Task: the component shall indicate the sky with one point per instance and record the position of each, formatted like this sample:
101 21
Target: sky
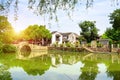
99 12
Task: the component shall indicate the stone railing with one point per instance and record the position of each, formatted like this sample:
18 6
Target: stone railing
114 48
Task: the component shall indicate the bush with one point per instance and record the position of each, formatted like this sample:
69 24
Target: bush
68 44
7 48
89 45
55 44
77 44
99 45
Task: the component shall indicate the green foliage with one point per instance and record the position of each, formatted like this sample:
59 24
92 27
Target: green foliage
7 48
88 44
99 45
55 44
104 36
68 44
62 45
36 32
77 44
1 45
114 32
4 73
6 30
89 30
115 19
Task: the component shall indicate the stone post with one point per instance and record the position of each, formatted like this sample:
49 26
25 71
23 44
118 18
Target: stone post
111 47
118 45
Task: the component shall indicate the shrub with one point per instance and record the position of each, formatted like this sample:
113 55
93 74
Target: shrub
68 44
99 45
55 44
7 48
89 45
77 44
62 45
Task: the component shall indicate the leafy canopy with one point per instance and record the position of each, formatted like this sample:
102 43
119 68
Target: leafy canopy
36 32
6 30
114 32
88 30
115 19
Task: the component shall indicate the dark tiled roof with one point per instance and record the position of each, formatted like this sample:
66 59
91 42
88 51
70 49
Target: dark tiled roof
53 32
65 34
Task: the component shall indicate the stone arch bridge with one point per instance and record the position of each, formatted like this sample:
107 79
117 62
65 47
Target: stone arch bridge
36 50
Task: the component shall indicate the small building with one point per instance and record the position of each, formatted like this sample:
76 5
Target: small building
104 42
56 37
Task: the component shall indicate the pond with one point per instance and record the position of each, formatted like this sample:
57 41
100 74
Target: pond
58 65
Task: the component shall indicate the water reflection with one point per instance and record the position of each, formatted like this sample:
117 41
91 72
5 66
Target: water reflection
63 72
89 71
63 67
4 73
102 75
56 60
30 54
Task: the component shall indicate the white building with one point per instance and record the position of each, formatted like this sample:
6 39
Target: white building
64 37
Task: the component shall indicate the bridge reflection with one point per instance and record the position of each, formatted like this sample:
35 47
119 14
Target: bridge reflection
32 54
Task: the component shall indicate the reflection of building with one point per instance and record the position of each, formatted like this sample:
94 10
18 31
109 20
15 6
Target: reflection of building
64 37
56 60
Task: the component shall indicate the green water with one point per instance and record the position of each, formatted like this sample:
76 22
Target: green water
58 65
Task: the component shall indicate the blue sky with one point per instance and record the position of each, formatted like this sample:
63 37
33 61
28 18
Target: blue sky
99 12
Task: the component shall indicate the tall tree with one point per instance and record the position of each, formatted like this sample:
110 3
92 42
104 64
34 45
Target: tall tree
88 30
36 32
113 33
6 30
115 19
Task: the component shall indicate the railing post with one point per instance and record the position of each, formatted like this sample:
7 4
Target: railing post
111 47
118 46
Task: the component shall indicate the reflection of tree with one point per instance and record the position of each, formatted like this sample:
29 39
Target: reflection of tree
37 65
114 74
114 71
4 73
89 71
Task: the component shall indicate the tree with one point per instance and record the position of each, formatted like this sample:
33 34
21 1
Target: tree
6 30
113 33
88 30
104 36
115 19
38 33
41 7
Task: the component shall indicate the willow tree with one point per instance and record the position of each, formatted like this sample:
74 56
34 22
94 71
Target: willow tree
42 7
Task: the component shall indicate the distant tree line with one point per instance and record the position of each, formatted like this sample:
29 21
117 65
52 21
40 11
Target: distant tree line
89 31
